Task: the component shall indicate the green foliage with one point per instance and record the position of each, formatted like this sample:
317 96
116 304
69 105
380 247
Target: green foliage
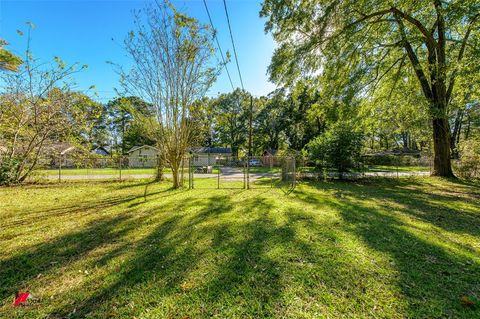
366 45
269 122
338 148
8 170
202 121
87 118
8 60
231 113
126 119
304 118
468 166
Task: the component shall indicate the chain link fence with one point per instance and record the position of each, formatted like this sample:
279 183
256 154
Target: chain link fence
369 166
217 172
241 172
64 168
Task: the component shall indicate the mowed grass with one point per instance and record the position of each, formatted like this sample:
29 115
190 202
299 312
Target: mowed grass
376 249
107 171
387 168
99 171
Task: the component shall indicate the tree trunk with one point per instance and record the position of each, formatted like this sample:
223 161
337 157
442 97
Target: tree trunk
176 180
182 169
159 176
405 140
441 146
456 134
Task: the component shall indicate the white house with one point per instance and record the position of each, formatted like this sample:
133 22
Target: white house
209 156
143 156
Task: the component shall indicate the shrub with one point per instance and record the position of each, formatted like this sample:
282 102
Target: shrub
8 171
380 159
468 166
338 148
396 160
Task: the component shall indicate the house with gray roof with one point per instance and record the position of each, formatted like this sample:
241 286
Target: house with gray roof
143 156
209 156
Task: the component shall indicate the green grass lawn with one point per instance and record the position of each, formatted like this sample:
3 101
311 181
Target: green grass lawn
407 248
386 168
108 171
99 171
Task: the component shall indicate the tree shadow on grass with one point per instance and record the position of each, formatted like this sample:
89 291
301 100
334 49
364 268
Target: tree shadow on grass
433 273
245 258
161 260
16 271
252 257
90 206
448 209
215 262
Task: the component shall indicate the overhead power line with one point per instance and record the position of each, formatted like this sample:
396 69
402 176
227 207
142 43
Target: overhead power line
233 43
218 45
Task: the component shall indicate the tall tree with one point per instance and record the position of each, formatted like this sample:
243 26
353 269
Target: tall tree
88 120
270 121
202 119
172 67
125 121
396 119
231 119
378 37
303 116
35 111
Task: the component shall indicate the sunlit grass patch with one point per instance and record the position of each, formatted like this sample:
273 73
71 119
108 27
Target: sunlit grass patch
380 248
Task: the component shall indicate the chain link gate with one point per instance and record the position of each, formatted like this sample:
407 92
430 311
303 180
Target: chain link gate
208 172
271 172
228 172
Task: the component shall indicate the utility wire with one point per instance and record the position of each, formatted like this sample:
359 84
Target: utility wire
233 43
218 45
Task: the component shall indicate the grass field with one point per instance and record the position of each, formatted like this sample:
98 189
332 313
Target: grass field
407 248
107 171
386 168
99 171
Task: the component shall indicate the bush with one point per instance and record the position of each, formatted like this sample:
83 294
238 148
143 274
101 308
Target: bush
395 160
8 171
380 159
338 148
468 166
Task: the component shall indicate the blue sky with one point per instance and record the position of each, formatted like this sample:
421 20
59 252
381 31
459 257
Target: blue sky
82 31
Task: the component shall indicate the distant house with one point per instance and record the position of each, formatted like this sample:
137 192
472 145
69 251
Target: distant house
270 152
143 156
209 156
56 154
101 150
56 149
269 158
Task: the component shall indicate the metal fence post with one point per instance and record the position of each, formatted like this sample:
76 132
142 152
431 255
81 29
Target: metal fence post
60 169
398 160
193 173
248 172
120 167
271 171
244 176
294 172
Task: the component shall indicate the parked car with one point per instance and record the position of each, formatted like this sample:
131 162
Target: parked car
254 162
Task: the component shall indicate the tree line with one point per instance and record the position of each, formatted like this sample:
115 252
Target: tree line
353 77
